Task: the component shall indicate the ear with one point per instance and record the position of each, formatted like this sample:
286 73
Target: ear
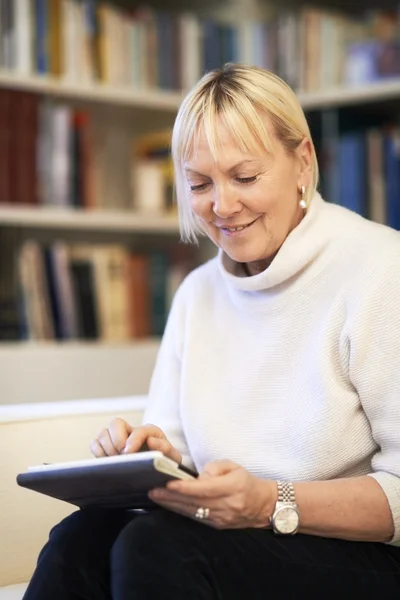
305 156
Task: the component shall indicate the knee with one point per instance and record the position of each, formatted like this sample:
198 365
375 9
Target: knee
157 556
73 537
146 540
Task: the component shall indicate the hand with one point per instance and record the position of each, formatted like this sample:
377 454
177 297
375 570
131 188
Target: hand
121 438
235 498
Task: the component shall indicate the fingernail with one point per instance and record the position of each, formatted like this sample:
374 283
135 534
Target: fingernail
127 449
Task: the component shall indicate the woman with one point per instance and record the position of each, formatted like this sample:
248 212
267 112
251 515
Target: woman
277 378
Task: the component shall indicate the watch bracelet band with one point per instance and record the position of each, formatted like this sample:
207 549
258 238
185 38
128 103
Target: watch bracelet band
286 492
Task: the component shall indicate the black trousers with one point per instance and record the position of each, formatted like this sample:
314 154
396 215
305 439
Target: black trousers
104 555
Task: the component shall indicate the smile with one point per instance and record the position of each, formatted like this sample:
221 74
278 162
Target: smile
236 230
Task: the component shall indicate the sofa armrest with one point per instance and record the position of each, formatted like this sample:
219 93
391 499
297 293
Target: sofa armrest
35 433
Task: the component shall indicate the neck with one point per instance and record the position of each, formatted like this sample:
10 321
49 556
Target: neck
258 266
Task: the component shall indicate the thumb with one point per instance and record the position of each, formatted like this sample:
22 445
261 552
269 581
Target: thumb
218 468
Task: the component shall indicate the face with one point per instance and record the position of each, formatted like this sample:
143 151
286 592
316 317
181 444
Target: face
247 202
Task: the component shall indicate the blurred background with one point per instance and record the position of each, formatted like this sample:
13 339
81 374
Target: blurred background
90 255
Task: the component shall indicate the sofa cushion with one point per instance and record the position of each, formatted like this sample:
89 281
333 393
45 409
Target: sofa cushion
13 592
36 433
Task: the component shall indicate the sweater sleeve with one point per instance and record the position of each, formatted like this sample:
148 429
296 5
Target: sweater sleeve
374 346
163 408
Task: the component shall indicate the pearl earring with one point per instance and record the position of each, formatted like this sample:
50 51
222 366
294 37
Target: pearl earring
303 203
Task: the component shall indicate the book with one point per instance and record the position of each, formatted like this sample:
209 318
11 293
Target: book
35 292
392 176
10 307
121 481
83 283
352 165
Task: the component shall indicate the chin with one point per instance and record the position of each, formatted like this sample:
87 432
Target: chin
242 255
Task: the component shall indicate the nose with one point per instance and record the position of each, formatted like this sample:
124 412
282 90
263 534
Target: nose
225 202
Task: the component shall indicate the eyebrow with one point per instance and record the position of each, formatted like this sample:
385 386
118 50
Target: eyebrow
188 169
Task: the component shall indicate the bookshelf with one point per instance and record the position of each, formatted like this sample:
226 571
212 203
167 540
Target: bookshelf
114 221
343 96
119 105
165 101
98 93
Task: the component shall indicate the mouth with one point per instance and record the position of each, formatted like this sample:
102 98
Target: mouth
239 229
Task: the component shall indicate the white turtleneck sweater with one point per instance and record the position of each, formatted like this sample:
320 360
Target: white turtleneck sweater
293 373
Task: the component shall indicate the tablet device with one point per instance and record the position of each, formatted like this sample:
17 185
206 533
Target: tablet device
121 481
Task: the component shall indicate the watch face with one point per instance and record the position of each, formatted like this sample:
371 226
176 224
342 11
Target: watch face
286 519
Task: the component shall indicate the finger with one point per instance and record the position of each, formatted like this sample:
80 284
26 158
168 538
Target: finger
139 436
167 496
163 445
105 441
186 510
177 504
206 487
96 449
193 495
218 468
119 432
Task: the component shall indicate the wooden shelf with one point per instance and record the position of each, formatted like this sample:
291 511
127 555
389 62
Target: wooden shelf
92 92
169 101
346 96
89 220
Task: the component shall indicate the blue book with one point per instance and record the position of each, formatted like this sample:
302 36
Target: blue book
41 28
352 170
259 45
229 44
158 276
164 50
392 178
211 46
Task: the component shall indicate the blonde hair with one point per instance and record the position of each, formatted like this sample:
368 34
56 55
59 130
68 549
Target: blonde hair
241 95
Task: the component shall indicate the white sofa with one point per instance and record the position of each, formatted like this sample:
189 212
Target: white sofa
32 434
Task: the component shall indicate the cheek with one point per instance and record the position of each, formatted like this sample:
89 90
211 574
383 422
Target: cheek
201 204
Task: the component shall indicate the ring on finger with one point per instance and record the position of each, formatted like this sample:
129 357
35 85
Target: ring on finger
202 513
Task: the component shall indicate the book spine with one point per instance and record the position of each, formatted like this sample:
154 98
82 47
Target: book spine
158 272
42 55
392 176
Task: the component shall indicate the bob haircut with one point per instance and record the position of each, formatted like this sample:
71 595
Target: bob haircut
240 95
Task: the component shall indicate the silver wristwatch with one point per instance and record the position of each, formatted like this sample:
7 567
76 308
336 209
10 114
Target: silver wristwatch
286 517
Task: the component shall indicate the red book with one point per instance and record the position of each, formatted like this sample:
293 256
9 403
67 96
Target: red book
138 289
5 140
23 182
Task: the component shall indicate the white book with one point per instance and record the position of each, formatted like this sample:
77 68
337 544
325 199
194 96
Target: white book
78 47
68 40
82 50
192 67
134 76
60 172
7 39
148 184
23 36
44 150
245 42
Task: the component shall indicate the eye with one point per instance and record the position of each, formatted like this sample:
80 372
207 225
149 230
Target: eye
199 188
246 180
